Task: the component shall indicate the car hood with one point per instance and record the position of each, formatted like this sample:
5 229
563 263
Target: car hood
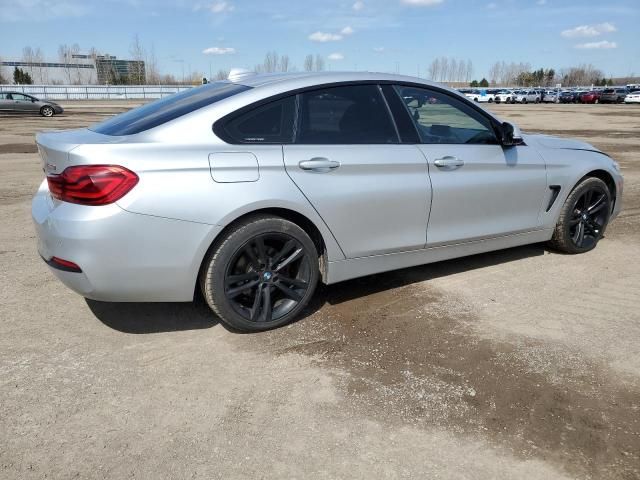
547 141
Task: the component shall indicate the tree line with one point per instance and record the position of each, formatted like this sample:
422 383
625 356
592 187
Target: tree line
441 69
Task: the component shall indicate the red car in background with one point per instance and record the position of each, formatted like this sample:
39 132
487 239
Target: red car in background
590 97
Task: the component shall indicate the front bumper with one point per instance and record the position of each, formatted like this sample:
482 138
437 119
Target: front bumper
124 256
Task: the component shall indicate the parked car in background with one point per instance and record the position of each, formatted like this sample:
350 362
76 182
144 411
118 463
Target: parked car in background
256 189
590 97
480 95
568 96
633 97
17 102
527 96
613 95
505 96
551 96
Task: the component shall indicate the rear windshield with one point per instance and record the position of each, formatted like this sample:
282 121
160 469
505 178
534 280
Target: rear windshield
161 111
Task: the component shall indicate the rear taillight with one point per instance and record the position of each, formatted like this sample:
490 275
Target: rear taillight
92 184
62 264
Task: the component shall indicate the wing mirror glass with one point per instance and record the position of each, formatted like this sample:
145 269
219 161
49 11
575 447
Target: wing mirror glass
510 135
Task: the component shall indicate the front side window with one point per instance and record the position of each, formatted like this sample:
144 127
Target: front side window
270 123
354 114
166 109
440 118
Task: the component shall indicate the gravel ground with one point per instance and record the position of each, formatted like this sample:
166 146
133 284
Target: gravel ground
515 364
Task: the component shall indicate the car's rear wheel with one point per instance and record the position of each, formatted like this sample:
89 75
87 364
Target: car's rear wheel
524 100
47 111
261 274
583 218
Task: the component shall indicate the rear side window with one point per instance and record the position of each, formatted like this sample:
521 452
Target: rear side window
355 114
270 123
166 109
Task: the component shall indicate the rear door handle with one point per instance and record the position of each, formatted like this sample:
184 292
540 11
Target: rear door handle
448 161
318 164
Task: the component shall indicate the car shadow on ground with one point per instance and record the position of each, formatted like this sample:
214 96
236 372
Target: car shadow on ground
140 318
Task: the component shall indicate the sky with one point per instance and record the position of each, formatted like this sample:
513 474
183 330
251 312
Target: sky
377 35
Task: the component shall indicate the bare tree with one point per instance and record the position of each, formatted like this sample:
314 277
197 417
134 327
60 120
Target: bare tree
469 71
27 57
42 73
434 69
137 52
270 63
3 79
64 55
151 67
222 74
582 75
308 63
285 64
319 63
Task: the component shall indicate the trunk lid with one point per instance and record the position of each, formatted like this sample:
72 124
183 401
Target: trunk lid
54 146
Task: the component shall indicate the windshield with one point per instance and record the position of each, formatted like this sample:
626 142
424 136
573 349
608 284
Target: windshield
161 111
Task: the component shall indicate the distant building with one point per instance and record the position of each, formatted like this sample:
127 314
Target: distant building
81 70
77 73
111 70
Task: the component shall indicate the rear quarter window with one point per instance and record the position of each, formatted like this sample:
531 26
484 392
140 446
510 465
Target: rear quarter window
166 109
268 123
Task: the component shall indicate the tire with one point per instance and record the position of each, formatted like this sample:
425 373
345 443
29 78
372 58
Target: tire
524 100
490 100
497 101
575 233
257 253
47 111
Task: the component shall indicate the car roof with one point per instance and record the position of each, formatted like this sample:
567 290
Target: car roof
305 79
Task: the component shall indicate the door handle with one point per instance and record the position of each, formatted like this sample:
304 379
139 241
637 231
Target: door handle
449 162
319 164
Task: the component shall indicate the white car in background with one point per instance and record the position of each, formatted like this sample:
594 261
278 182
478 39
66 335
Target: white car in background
480 96
505 96
633 97
527 96
551 96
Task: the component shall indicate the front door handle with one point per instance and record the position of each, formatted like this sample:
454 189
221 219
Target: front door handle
319 164
448 162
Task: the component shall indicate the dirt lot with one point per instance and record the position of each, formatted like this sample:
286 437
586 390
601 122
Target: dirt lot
516 364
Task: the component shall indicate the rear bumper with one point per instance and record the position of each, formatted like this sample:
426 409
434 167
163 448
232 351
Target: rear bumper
124 257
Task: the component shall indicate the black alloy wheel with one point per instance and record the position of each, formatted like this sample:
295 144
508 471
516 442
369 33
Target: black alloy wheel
261 273
268 277
583 217
589 217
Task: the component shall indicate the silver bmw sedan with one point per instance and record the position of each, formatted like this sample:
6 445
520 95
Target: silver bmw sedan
255 189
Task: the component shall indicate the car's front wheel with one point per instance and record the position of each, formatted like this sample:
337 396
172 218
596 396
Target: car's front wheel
47 111
261 274
583 218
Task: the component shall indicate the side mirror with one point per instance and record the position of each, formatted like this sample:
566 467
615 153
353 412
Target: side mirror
510 135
